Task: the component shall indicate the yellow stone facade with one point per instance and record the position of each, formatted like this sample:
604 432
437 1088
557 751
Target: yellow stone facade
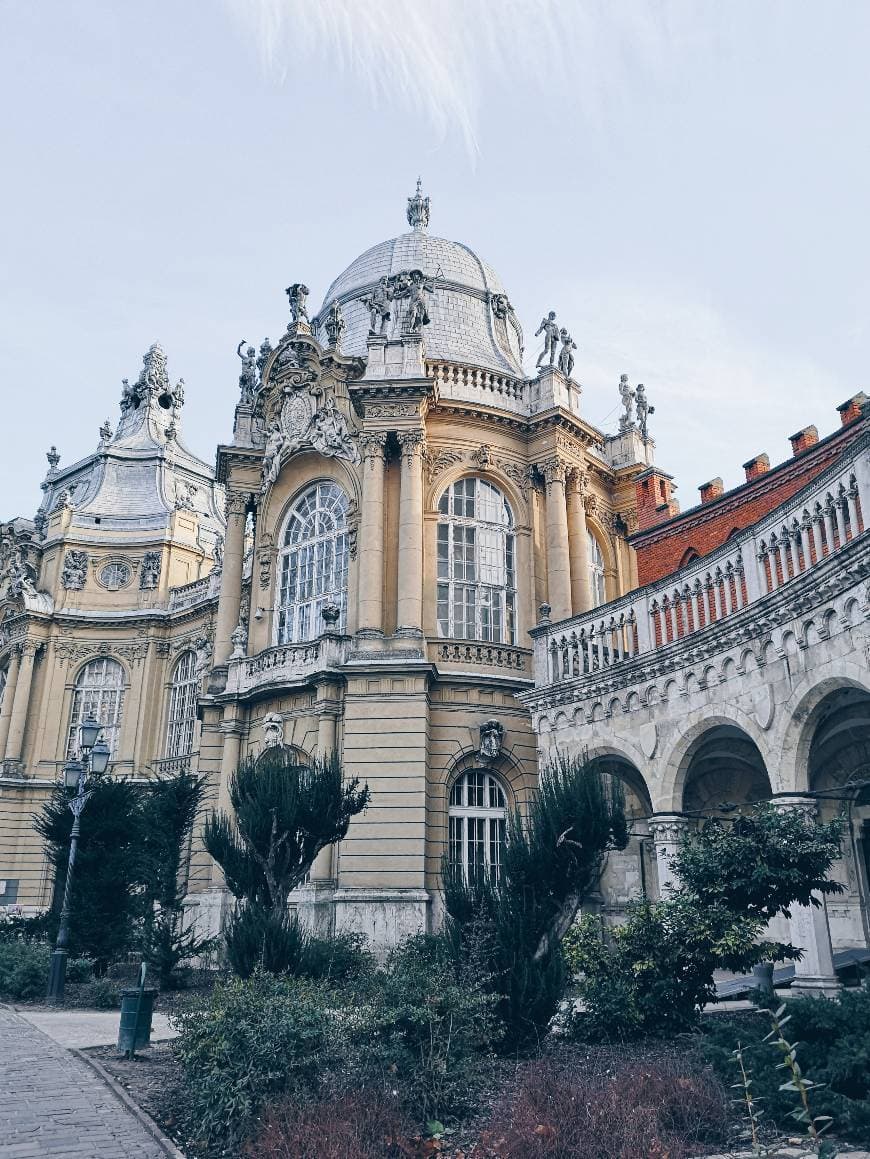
409 664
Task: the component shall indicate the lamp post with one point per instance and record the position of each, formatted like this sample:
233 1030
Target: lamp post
93 759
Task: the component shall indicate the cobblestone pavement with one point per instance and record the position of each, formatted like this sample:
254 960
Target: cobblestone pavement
52 1104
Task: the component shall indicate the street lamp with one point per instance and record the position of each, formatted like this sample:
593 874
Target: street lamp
93 759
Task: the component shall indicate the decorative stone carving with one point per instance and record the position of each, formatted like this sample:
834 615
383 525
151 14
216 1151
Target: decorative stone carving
64 501
53 458
75 570
263 357
378 303
334 325
412 443
329 433
418 208
553 470
418 306
644 410
149 576
203 650
264 561
491 739
550 329
544 611
440 462
239 641
236 503
517 473
218 552
185 493
105 431
483 456
273 730
372 444
248 378
331 614
566 358
500 305
626 419
392 410
297 295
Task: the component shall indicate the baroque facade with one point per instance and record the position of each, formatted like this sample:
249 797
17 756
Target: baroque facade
410 552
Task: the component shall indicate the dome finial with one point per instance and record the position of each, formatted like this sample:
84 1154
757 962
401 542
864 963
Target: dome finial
418 208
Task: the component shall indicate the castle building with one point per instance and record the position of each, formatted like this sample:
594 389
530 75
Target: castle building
412 553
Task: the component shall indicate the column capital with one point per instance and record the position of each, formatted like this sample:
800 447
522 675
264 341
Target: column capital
667 827
576 481
412 442
797 802
372 444
554 470
237 502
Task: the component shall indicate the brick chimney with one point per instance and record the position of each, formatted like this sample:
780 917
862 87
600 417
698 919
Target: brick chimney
803 440
655 502
712 490
760 465
851 408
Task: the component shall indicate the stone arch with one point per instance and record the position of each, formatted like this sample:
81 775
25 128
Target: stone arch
301 471
516 500
602 537
623 761
801 716
692 757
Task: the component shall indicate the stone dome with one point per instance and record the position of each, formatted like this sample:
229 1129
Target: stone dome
471 319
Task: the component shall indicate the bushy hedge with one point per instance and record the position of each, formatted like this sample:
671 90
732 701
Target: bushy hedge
24 967
833 1048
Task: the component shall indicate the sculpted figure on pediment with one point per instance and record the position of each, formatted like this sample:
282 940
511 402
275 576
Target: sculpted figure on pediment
329 433
75 570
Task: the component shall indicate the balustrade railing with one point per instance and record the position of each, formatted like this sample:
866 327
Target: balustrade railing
473 383
286 662
189 594
815 524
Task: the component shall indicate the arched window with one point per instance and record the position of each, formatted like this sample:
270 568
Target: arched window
182 707
99 692
596 572
477 823
313 563
476 564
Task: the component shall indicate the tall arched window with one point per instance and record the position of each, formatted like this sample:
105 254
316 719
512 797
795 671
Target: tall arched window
596 572
477 823
182 707
313 563
476 564
99 692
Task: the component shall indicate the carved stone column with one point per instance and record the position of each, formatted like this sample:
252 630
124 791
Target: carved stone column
8 697
558 555
231 580
667 831
20 702
814 974
578 542
409 610
371 546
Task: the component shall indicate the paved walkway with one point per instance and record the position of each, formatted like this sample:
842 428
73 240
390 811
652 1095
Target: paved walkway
83 1028
52 1104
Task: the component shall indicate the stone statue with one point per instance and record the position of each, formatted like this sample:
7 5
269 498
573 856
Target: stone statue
549 328
626 419
149 577
334 325
275 440
239 641
491 738
202 648
500 305
184 495
64 501
273 730
75 570
566 358
248 377
418 314
298 296
218 552
178 396
644 410
263 356
329 433
378 303
129 396
105 431
53 458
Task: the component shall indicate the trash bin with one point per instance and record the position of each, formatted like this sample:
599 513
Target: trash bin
130 1035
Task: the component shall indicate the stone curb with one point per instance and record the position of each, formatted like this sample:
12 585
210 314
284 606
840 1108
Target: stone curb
133 1107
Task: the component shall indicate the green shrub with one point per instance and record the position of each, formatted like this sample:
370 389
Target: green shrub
426 1033
342 958
19 927
833 1048
98 994
655 973
247 1042
79 969
259 939
24 970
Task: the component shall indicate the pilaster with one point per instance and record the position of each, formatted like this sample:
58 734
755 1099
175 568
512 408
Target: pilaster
409 608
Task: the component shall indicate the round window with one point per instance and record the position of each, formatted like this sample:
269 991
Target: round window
114 576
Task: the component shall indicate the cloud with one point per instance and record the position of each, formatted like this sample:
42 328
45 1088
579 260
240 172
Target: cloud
443 57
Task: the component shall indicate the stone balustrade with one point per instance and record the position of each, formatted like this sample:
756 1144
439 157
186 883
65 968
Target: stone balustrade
173 766
473 384
190 594
286 664
802 534
461 652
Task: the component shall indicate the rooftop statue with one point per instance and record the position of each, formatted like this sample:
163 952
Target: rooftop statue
298 296
644 410
334 325
626 419
566 358
248 377
418 313
263 356
550 329
378 303
275 440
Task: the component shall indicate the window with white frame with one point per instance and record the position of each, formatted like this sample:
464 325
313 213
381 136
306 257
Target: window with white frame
313 563
477 819
182 707
596 572
99 693
476 564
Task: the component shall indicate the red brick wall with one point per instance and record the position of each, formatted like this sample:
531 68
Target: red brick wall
661 549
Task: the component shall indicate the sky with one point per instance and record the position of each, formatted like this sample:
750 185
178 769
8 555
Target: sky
686 183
